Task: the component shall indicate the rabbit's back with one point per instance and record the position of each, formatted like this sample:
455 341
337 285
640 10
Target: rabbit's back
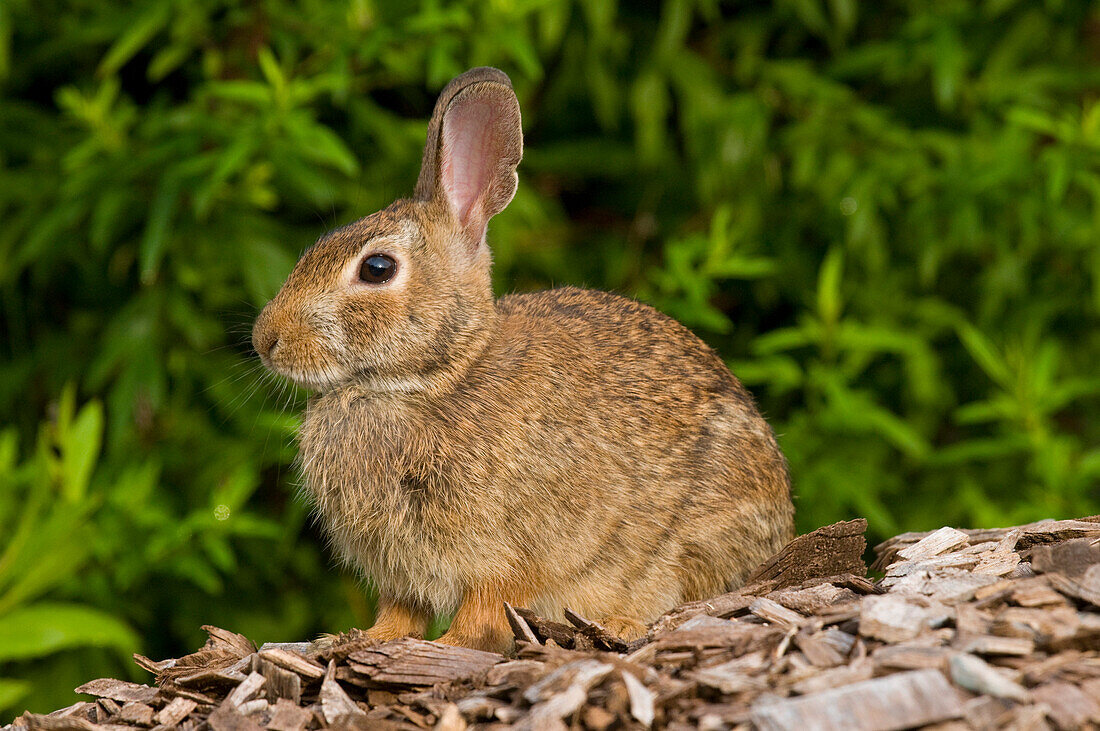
648 390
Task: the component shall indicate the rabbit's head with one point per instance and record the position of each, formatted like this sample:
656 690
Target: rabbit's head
403 294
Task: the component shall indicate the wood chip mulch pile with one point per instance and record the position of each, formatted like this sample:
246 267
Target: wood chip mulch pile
967 629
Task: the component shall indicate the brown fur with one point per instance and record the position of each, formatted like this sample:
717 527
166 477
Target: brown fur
567 448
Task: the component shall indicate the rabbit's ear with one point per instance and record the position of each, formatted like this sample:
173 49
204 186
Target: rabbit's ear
474 145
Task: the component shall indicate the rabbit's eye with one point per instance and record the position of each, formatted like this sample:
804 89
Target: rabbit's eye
377 268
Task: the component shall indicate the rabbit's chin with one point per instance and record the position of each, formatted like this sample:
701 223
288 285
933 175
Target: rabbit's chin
320 382
335 379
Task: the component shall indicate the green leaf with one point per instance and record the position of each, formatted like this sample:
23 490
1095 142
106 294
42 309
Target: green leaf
5 55
79 450
980 450
44 628
270 68
107 218
9 453
785 339
140 32
167 60
250 93
157 227
12 691
264 265
650 104
54 549
319 144
828 286
985 354
230 162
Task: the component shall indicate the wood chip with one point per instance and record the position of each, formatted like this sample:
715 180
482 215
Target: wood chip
288 716
1069 558
293 662
230 641
1075 589
993 645
999 563
336 706
902 700
54 723
597 719
248 689
410 662
837 677
253 707
80 709
176 710
516 673
975 674
451 719
929 565
910 657
819 650
227 718
1024 536
735 637
738 675
207 678
722 606
641 699
138 713
894 618
833 549
946 585
561 634
601 637
520 628
1036 593
298 648
1069 707
775 613
118 690
106 709
152 666
280 683
934 544
563 691
813 599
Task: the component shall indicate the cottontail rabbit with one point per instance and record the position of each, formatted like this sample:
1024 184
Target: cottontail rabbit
566 448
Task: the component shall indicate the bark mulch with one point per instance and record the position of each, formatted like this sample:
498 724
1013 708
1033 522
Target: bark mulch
966 629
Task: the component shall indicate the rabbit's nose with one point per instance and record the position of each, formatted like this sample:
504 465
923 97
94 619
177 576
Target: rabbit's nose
265 333
266 345
264 338
269 347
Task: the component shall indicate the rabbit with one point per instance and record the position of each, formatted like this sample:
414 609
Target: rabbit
560 449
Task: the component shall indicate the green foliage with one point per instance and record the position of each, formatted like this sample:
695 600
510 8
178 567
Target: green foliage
885 216
45 508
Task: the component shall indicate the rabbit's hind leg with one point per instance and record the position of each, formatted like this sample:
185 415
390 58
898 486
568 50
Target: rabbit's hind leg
627 629
395 620
480 622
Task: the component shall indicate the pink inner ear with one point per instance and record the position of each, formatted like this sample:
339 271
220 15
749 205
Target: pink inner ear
467 159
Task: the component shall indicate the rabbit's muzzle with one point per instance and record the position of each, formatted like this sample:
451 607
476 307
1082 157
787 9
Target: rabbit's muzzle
265 337
303 346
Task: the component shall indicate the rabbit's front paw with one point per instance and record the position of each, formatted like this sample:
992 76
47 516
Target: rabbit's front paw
480 622
490 641
397 620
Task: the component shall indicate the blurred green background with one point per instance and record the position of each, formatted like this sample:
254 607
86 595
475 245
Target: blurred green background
885 216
